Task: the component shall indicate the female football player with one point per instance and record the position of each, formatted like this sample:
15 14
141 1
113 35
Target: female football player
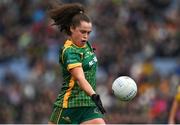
77 102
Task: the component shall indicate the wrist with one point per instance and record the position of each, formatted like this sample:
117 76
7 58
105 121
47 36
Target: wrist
93 94
95 97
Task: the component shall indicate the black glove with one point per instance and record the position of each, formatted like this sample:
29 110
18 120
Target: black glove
97 101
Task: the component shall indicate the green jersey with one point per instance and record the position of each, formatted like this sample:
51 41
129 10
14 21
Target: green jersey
71 56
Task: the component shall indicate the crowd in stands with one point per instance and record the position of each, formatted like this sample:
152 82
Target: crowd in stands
138 38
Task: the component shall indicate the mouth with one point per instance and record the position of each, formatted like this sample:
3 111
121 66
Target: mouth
83 41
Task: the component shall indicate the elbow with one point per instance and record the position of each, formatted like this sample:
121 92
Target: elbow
79 77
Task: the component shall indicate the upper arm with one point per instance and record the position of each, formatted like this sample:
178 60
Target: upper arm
77 73
71 59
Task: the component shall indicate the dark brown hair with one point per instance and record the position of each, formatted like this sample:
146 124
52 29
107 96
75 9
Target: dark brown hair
67 15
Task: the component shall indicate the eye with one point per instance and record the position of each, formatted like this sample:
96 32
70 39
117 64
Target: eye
84 32
88 32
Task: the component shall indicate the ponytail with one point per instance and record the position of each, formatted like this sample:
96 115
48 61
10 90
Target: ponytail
67 15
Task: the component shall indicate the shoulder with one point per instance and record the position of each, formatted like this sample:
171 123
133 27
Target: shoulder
68 47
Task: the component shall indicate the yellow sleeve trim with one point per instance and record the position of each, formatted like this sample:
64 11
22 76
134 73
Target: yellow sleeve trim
71 66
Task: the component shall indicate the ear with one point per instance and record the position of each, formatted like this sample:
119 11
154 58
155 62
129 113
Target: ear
71 29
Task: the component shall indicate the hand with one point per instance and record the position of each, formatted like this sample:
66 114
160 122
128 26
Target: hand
97 101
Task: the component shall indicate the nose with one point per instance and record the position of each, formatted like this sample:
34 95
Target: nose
85 36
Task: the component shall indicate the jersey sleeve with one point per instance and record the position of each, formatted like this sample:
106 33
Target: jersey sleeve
71 58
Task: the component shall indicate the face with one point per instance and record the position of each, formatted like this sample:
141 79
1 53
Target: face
80 34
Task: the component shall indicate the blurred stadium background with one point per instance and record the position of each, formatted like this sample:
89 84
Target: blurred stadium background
139 38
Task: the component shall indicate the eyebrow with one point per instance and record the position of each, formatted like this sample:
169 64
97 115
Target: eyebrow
86 31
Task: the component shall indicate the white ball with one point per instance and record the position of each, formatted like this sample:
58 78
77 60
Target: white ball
124 88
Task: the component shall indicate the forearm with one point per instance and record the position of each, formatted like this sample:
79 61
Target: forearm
173 112
171 117
85 86
78 74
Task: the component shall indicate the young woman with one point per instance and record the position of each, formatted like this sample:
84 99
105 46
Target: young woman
77 102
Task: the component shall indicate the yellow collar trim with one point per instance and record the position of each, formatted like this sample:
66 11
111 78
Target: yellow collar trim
69 43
